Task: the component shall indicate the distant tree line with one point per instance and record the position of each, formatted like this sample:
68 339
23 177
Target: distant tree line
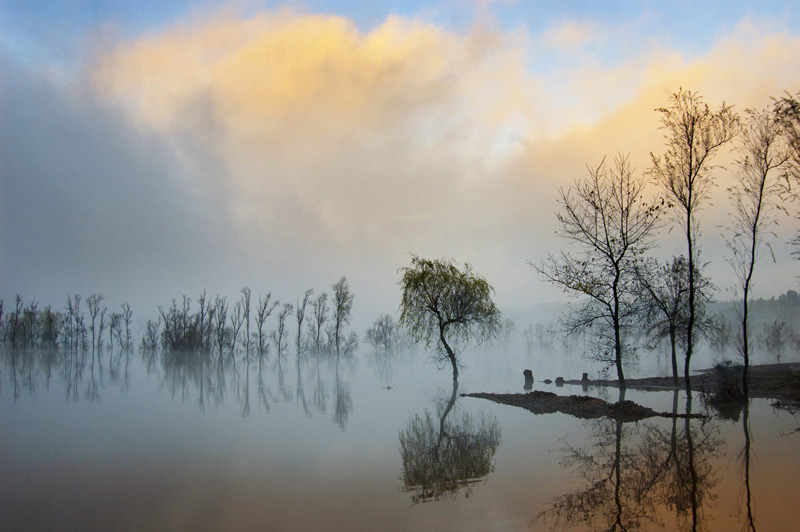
207 324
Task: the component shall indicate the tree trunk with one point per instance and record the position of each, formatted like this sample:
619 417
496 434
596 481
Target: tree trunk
450 354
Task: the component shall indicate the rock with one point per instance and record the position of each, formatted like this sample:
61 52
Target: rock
547 381
559 381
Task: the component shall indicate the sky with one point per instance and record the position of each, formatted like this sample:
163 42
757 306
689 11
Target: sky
151 149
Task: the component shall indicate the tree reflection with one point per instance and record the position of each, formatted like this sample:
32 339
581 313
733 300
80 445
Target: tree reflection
750 523
632 473
442 456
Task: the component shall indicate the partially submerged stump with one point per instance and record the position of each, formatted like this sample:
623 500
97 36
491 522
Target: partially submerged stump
579 406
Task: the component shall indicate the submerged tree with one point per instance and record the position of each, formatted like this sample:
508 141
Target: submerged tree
300 314
342 301
443 303
694 134
315 325
605 215
756 197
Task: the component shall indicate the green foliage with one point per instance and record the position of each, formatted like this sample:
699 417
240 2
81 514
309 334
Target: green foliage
442 302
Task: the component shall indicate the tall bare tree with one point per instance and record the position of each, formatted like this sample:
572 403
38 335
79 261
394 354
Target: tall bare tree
342 301
787 111
320 308
763 157
300 313
694 134
604 214
263 310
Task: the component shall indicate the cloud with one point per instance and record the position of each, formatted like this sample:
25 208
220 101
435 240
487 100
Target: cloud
309 148
570 36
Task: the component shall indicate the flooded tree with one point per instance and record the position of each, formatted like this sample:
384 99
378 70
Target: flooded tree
694 135
221 331
756 195
342 308
442 303
263 310
320 317
383 334
127 320
279 334
301 314
606 216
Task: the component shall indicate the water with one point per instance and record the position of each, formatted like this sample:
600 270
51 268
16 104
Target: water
141 441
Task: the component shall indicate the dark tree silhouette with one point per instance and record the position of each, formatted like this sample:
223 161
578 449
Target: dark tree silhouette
694 134
315 326
665 307
763 156
300 313
605 215
342 308
263 310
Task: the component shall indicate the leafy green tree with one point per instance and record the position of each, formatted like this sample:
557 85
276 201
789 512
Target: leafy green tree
442 303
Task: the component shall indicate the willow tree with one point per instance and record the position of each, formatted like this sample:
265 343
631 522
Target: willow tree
605 216
694 134
443 303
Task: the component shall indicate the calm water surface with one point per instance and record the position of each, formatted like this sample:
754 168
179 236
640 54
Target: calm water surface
143 441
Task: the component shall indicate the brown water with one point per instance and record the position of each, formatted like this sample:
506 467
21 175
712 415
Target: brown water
137 441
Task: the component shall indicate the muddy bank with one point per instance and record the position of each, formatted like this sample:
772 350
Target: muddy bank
768 381
579 406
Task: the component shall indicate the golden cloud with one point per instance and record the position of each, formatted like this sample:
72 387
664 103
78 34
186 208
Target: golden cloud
411 136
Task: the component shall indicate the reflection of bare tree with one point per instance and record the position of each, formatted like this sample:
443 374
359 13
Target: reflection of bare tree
442 456
343 401
632 474
750 523
320 394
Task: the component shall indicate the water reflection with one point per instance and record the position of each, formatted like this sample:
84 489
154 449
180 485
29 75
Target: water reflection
204 377
448 451
633 472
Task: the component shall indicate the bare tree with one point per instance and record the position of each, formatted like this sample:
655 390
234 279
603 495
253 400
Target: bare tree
787 111
13 321
263 310
604 214
237 319
694 134
300 314
279 334
320 307
763 156
115 328
665 307
127 318
342 307
220 328
246 319
93 302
